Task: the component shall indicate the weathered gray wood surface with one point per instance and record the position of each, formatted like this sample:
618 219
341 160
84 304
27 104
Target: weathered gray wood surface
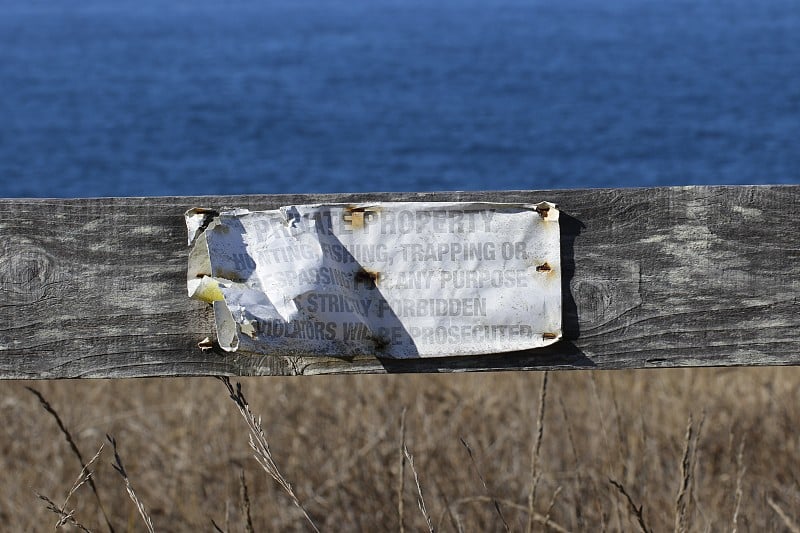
666 277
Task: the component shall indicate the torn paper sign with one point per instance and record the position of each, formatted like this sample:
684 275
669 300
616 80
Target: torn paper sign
391 279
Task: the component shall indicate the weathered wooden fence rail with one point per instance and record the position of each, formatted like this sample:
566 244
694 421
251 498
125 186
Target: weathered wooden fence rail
663 277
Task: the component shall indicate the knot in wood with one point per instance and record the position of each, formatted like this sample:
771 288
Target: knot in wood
28 274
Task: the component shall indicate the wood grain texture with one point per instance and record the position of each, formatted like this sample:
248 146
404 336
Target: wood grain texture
664 277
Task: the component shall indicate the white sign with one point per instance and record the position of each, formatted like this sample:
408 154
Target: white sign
391 279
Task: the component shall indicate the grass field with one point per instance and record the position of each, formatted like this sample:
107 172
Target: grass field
473 439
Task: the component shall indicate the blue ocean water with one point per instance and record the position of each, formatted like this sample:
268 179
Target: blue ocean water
106 97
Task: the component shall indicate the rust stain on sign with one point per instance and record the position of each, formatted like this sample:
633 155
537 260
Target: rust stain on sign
392 279
368 277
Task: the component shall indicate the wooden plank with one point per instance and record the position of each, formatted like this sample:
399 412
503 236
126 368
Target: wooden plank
659 277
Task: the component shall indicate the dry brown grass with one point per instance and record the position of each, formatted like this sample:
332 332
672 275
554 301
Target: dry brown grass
336 440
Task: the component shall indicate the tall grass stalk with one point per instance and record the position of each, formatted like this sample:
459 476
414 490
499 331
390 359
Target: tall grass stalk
420 500
740 470
536 448
260 446
120 468
687 475
75 450
485 486
637 512
402 477
244 499
790 524
68 517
